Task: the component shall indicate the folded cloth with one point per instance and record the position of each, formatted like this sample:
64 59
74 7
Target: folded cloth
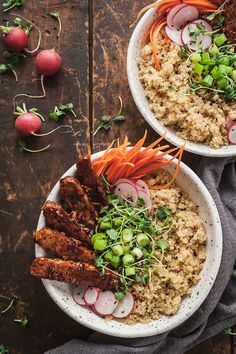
219 309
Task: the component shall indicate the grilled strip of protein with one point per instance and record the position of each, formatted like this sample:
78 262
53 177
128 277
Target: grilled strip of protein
230 23
91 183
77 200
57 218
62 246
73 273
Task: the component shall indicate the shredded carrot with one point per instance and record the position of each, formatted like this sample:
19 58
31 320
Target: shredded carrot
135 162
157 26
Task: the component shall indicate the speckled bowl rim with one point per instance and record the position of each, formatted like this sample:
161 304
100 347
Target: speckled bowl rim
142 102
61 292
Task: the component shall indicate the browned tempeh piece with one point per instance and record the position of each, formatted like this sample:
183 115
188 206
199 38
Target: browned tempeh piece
77 200
230 23
63 246
73 273
91 182
56 217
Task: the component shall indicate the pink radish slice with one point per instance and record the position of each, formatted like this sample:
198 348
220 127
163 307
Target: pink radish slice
229 120
204 23
203 41
175 35
91 296
105 304
172 13
184 15
231 134
124 307
125 180
141 185
146 198
78 294
126 191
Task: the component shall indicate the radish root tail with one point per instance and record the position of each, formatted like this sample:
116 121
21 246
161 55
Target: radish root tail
52 131
36 27
30 96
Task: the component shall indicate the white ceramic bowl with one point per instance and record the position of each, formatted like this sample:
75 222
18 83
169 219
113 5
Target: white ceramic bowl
142 103
61 292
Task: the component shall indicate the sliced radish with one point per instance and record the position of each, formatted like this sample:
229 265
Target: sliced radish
141 185
146 198
204 23
229 120
172 13
126 191
125 180
105 304
91 296
78 294
231 133
203 41
184 15
124 307
175 35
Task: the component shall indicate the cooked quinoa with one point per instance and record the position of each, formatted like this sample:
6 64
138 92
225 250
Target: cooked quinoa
199 117
182 262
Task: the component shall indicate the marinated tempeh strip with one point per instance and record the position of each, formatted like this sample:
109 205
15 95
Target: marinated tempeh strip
63 246
56 217
77 200
73 273
91 183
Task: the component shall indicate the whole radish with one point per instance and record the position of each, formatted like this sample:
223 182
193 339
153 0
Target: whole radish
48 63
27 124
16 40
16 37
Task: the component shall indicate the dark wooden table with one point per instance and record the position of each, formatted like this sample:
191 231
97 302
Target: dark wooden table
93 47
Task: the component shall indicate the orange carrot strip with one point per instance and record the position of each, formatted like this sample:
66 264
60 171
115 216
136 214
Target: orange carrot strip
179 153
151 6
153 38
200 3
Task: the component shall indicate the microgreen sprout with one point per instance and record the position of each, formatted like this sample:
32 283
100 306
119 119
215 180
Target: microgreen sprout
106 119
22 147
57 16
126 237
10 4
60 112
12 301
228 332
23 321
8 67
4 350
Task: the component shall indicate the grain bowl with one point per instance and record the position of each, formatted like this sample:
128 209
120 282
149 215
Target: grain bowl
194 213
163 97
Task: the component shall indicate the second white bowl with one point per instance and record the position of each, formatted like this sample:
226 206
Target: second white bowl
142 103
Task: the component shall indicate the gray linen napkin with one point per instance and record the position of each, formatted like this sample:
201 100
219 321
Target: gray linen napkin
219 309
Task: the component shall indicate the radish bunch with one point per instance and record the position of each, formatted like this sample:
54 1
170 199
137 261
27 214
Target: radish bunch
128 189
183 19
103 303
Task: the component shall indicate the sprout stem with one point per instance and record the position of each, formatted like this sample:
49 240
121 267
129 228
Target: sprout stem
15 74
34 151
60 26
37 28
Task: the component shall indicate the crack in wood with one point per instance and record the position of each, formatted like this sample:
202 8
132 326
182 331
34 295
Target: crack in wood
91 69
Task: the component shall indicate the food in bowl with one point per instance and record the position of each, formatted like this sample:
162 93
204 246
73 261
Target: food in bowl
125 235
188 70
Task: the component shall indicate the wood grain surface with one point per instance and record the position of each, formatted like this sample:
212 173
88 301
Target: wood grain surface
93 47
